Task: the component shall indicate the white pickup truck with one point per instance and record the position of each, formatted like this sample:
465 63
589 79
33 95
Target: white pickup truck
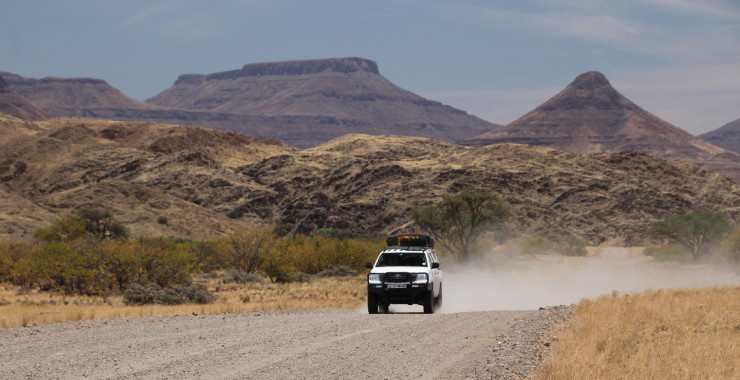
406 272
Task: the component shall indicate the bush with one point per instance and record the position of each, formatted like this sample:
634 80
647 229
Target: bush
669 253
138 294
302 277
572 247
163 220
340 271
240 276
195 293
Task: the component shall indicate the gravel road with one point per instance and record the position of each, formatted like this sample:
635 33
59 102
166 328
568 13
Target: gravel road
288 344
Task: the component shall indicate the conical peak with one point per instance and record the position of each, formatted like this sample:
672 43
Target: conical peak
589 90
590 81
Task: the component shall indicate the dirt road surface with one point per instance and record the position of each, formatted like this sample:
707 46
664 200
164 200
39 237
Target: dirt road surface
288 344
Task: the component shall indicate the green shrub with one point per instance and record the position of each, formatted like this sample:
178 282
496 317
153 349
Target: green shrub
669 253
163 220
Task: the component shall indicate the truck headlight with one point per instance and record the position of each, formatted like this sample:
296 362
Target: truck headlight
421 278
373 278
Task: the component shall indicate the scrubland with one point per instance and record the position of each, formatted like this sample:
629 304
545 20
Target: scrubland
656 334
21 308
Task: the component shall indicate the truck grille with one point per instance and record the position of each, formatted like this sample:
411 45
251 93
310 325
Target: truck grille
397 277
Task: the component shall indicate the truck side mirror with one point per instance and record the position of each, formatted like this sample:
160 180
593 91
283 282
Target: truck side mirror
369 265
435 265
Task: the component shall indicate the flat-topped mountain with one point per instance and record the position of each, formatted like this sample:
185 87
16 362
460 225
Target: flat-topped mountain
209 183
590 116
70 96
727 136
14 105
303 103
329 97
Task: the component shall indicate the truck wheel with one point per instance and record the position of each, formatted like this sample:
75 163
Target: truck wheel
429 303
372 303
383 309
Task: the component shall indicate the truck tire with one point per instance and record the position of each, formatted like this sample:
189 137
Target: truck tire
429 302
372 303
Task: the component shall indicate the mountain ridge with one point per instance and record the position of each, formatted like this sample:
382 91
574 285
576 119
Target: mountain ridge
210 183
303 102
590 116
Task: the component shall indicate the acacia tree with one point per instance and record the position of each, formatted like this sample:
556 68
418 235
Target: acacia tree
695 231
459 220
102 225
244 249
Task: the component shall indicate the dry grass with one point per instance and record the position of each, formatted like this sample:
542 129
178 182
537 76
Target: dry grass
663 334
18 309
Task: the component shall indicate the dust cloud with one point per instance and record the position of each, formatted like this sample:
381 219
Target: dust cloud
522 284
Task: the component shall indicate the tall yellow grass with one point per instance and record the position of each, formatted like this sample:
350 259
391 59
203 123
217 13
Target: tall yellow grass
661 334
35 308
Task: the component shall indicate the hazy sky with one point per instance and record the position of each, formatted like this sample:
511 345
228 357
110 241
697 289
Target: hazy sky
679 59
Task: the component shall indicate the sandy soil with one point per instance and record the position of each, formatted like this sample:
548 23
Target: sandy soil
288 344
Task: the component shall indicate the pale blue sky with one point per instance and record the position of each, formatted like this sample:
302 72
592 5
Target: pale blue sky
679 59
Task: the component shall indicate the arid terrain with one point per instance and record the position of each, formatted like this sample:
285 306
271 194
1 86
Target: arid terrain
289 344
495 324
226 181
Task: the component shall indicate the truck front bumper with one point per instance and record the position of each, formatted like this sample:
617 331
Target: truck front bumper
410 294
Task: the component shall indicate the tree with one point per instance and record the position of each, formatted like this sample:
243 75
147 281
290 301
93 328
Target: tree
244 249
102 225
458 221
695 231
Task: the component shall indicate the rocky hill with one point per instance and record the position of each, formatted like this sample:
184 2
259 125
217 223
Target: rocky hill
303 103
209 183
590 116
727 136
14 105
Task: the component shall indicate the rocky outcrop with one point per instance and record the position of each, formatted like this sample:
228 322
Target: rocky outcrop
304 67
590 116
202 179
727 136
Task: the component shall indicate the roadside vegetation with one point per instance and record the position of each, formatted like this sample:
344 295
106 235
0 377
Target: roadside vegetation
695 232
87 265
21 306
88 259
657 334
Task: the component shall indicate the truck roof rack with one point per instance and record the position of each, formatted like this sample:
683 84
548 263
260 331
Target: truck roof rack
410 240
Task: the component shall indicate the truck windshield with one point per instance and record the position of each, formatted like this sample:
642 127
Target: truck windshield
402 259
